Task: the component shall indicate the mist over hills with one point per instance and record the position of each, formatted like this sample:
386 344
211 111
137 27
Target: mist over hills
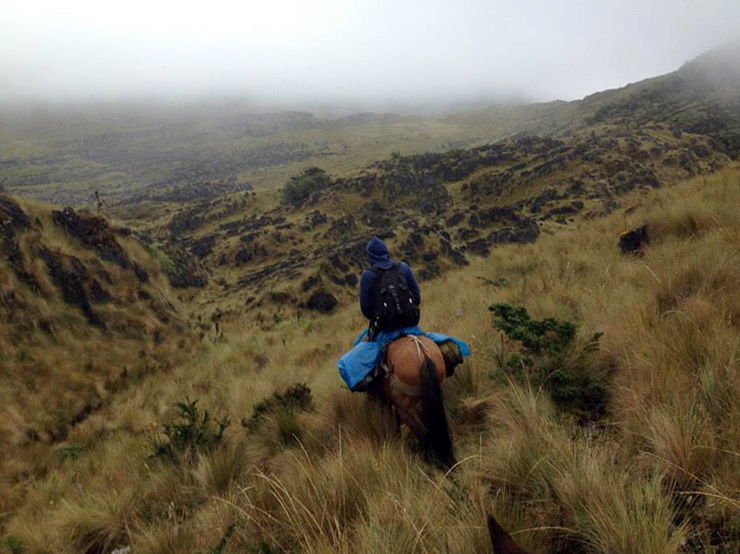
125 151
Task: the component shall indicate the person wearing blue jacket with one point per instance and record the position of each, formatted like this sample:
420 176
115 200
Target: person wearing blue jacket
379 258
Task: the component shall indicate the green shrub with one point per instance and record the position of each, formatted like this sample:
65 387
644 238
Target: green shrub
71 451
219 548
550 359
194 433
301 186
13 545
296 397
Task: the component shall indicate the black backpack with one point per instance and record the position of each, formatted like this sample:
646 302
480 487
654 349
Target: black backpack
393 305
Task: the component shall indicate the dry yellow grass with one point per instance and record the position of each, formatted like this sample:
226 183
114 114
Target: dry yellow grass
660 475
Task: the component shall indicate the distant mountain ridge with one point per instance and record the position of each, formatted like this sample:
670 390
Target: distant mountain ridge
702 97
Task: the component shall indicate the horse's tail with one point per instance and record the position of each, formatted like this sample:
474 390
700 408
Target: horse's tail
435 419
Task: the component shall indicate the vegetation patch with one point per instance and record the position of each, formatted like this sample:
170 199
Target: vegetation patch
193 433
550 359
296 397
303 185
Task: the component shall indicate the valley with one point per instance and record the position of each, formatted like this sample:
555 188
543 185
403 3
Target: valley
168 347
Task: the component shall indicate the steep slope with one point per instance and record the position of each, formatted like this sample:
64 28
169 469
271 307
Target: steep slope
84 312
439 210
320 474
436 211
702 97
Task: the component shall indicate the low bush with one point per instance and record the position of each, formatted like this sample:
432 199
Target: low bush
296 397
194 433
550 359
301 186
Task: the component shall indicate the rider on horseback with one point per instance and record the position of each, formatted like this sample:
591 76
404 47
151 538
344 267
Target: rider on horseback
389 293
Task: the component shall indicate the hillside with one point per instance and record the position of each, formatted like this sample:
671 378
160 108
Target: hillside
147 159
167 368
86 313
701 97
162 155
437 211
655 474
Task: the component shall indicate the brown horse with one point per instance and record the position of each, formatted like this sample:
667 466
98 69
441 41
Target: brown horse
502 541
413 372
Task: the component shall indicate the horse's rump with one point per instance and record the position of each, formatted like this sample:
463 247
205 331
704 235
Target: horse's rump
403 359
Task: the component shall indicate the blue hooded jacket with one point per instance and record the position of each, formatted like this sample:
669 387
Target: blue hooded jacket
379 258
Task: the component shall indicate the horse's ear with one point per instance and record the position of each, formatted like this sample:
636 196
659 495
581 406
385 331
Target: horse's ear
502 541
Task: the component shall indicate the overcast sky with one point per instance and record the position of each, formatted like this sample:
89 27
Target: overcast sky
360 51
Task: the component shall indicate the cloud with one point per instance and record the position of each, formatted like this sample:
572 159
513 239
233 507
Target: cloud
361 51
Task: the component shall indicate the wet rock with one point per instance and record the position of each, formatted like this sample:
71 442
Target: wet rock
143 295
572 208
187 220
313 220
479 247
537 204
632 242
342 228
14 220
280 297
243 256
454 254
429 271
97 293
183 271
11 249
12 217
71 282
454 219
249 237
310 283
94 233
321 301
203 246
526 232
466 234
141 274
430 256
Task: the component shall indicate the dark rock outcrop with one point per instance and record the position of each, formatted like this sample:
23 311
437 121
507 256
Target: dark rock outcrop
182 270
321 301
631 242
94 233
71 278
14 220
12 217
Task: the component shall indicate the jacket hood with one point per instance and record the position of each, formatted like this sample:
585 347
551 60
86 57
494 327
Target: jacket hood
378 255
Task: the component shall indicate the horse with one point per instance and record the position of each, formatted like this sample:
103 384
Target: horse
501 540
413 369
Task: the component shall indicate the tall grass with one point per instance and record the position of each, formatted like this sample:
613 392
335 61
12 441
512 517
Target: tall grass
658 474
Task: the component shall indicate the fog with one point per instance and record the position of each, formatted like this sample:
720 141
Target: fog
364 53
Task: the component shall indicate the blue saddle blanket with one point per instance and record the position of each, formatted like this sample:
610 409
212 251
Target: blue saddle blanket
358 362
